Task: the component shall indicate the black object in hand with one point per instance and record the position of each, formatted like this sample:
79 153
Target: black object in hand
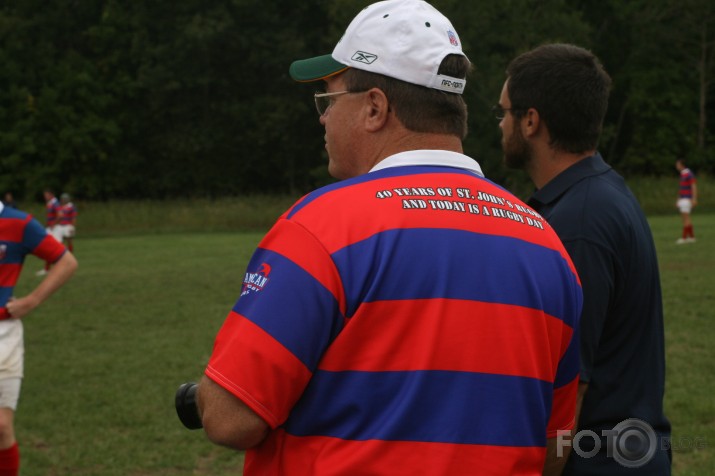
186 406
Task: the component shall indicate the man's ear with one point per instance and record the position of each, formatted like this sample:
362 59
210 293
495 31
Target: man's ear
377 108
531 122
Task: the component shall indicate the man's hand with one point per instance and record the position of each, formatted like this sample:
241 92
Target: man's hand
20 307
62 270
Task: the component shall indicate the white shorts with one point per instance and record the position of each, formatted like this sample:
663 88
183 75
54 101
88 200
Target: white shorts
66 231
55 232
685 205
12 349
10 392
12 354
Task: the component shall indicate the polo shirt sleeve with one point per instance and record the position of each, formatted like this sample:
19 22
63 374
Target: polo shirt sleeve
288 313
39 243
595 267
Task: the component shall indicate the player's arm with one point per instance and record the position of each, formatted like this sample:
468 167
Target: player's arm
694 200
58 275
226 419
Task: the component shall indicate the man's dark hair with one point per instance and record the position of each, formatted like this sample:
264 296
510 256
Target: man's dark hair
418 108
569 88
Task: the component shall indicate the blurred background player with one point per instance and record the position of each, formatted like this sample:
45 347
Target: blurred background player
20 235
9 200
687 199
52 213
67 220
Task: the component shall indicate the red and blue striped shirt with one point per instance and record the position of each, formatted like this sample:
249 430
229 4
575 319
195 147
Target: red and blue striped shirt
21 235
687 179
413 320
67 214
52 209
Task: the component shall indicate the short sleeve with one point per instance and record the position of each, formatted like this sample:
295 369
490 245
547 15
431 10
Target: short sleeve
287 314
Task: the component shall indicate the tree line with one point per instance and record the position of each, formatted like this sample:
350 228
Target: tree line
159 99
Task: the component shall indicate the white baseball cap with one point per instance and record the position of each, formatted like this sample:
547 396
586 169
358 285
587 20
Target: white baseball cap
402 39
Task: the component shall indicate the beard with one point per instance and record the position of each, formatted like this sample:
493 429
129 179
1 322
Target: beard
517 151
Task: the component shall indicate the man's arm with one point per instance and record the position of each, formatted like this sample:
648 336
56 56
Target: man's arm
554 464
58 275
226 419
582 387
694 199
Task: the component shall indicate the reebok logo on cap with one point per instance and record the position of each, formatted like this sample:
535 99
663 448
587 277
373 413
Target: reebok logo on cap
363 57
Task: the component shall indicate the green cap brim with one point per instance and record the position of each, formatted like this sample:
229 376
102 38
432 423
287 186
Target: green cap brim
313 69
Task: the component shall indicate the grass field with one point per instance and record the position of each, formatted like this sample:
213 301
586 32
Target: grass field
258 212
689 299
105 355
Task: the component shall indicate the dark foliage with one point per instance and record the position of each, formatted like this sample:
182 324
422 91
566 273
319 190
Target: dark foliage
156 99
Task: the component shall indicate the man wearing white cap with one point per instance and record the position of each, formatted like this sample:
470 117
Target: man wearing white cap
412 318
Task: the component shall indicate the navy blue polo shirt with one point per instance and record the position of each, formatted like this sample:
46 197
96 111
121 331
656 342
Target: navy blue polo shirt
609 240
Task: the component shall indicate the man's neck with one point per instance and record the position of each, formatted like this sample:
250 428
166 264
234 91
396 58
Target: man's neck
549 163
418 141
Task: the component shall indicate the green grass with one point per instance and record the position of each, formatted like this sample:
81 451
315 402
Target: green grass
689 300
251 213
105 355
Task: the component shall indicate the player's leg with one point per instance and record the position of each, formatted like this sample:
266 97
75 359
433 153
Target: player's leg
68 234
9 451
688 227
684 205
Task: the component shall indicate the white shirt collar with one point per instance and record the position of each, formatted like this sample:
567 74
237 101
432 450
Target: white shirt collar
430 157
2 207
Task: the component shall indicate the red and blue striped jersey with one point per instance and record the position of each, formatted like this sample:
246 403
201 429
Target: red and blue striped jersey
52 208
687 179
21 235
67 214
413 320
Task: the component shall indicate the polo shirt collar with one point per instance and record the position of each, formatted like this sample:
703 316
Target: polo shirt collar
588 167
442 158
